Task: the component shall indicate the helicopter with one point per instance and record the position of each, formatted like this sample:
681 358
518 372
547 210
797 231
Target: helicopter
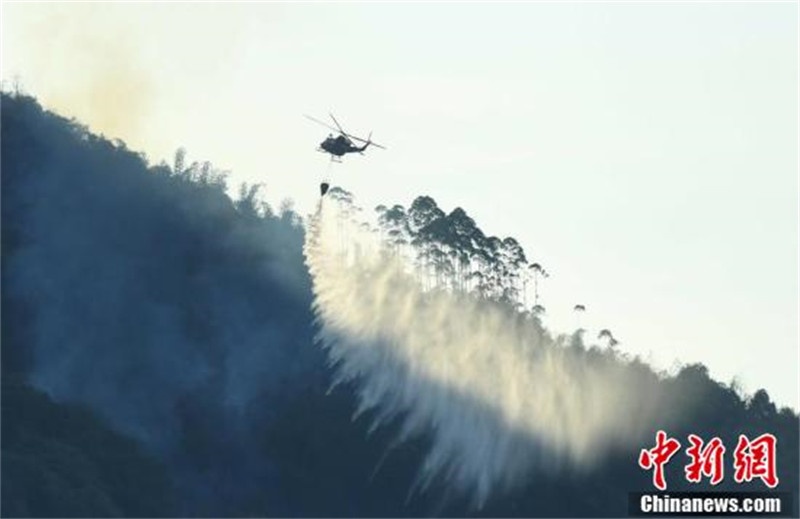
341 144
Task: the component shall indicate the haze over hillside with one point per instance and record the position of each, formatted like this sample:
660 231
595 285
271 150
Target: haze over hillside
645 153
159 359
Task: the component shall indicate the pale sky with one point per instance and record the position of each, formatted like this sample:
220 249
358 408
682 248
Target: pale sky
644 153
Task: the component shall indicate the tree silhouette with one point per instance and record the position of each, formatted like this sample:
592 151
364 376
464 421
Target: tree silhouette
579 309
537 272
422 213
606 334
394 225
512 257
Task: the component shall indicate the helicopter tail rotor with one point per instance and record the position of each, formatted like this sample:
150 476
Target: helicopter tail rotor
366 143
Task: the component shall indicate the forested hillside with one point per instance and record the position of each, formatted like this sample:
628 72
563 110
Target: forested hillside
158 353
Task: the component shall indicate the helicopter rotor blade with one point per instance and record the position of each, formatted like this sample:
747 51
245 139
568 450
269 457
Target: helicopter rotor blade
372 143
341 130
326 125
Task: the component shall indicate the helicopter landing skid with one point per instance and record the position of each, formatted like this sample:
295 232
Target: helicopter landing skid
334 158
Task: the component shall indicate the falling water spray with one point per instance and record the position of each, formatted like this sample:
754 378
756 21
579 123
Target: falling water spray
500 399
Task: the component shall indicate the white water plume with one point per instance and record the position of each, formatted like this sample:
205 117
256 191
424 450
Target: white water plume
498 397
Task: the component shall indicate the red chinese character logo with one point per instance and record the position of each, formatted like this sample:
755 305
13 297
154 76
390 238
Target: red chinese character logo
756 459
705 461
658 456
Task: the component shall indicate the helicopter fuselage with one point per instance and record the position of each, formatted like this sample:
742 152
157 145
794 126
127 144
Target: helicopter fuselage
338 146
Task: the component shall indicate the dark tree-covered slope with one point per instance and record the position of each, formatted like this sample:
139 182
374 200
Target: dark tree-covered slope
158 355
